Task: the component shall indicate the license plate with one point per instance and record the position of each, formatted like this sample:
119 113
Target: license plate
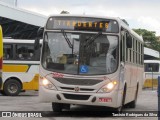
105 99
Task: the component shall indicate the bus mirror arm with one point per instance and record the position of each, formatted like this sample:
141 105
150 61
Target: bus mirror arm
36 44
37 40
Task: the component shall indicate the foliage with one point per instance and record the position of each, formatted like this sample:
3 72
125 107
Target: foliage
150 39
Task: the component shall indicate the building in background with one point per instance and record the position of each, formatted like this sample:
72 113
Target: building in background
10 2
19 23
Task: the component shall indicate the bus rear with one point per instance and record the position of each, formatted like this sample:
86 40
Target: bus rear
1 55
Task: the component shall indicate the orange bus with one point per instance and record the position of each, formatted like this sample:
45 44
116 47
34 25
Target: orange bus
1 55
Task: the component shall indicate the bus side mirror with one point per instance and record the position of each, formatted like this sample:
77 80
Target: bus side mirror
37 40
128 41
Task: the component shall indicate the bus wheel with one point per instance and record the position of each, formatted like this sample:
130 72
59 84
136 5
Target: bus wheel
12 87
119 109
133 103
57 107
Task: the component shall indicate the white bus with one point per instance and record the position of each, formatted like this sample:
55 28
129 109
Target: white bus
151 72
88 60
20 66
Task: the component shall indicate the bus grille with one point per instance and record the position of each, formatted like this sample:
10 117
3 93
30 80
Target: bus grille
85 82
76 97
81 89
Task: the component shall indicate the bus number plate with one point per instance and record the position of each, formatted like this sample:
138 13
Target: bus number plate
105 99
58 75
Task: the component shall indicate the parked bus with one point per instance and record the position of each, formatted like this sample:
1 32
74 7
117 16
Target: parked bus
20 66
1 55
152 71
88 60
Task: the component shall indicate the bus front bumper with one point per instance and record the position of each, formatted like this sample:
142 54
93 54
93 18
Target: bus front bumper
112 99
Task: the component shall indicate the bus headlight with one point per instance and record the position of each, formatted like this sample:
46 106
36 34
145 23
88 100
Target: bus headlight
47 84
108 87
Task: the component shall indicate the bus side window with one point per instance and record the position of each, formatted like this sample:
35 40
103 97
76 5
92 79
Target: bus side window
122 48
25 52
7 52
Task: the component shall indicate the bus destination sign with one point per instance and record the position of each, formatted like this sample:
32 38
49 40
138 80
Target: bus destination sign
85 24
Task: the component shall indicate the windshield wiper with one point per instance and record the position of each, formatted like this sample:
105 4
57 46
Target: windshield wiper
67 39
91 39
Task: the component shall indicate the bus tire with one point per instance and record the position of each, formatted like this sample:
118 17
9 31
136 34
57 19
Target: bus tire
133 103
12 87
119 109
57 107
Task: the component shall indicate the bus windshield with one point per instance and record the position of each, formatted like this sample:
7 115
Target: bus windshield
80 53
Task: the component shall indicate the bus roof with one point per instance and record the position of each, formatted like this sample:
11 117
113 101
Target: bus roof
121 23
140 38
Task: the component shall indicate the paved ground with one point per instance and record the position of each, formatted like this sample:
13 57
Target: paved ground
28 101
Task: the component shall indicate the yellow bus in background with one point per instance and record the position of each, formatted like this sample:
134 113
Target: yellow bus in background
151 73
1 55
20 66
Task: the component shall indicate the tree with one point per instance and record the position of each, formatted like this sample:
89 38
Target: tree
150 39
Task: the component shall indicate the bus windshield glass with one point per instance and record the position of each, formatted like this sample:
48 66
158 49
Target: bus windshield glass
80 53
